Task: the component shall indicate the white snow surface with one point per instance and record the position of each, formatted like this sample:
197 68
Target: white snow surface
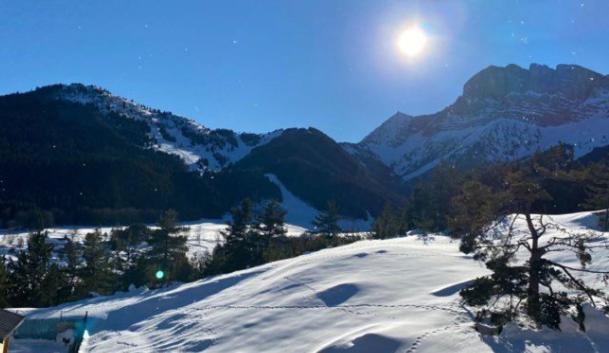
300 212
397 295
303 214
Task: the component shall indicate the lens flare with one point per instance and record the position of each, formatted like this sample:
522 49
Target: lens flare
412 41
159 274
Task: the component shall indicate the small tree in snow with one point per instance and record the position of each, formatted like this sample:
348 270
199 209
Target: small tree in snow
525 279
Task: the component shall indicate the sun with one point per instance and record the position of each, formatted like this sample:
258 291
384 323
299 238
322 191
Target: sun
412 41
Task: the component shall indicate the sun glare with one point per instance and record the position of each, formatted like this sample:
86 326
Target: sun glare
412 41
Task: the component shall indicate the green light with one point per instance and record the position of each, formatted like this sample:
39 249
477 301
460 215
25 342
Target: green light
159 274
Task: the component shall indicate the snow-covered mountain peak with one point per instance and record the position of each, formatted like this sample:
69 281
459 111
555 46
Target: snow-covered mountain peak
505 113
102 99
398 121
201 148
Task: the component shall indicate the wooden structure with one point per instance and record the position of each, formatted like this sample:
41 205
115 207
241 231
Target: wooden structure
8 324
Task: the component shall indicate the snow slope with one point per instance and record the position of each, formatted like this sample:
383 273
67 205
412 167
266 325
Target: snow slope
302 214
398 295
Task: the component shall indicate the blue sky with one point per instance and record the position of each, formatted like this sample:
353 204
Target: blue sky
260 65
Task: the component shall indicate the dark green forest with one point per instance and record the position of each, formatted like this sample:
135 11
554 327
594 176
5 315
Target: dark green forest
84 166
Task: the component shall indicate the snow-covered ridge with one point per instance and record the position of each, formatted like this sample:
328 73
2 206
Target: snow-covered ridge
504 114
390 296
201 148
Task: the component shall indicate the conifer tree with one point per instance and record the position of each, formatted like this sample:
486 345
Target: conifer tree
167 259
326 222
242 243
428 206
126 242
598 192
241 220
54 287
97 272
271 222
533 285
30 272
388 224
72 255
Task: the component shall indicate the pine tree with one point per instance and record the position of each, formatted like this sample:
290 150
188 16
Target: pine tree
97 275
598 191
428 206
72 256
388 224
472 209
243 245
29 274
533 287
126 242
271 223
326 222
167 259
241 220
54 288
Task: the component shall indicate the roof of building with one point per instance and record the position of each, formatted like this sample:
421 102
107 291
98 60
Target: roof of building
9 321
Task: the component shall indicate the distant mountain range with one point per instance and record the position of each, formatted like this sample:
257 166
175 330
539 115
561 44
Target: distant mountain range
92 157
504 113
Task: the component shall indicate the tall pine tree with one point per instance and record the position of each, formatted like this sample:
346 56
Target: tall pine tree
97 274
271 222
242 242
166 261
35 280
72 256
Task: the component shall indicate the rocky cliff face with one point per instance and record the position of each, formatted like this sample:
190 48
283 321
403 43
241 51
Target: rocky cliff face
504 113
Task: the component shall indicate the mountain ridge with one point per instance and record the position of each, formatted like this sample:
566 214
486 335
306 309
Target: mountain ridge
89 157
504 113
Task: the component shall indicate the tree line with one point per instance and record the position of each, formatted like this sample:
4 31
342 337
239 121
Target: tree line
481 209
251 240
102 264
42 274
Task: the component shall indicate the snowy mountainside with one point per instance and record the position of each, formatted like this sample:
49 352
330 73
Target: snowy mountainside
127 161
199 147
504 114
390 296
